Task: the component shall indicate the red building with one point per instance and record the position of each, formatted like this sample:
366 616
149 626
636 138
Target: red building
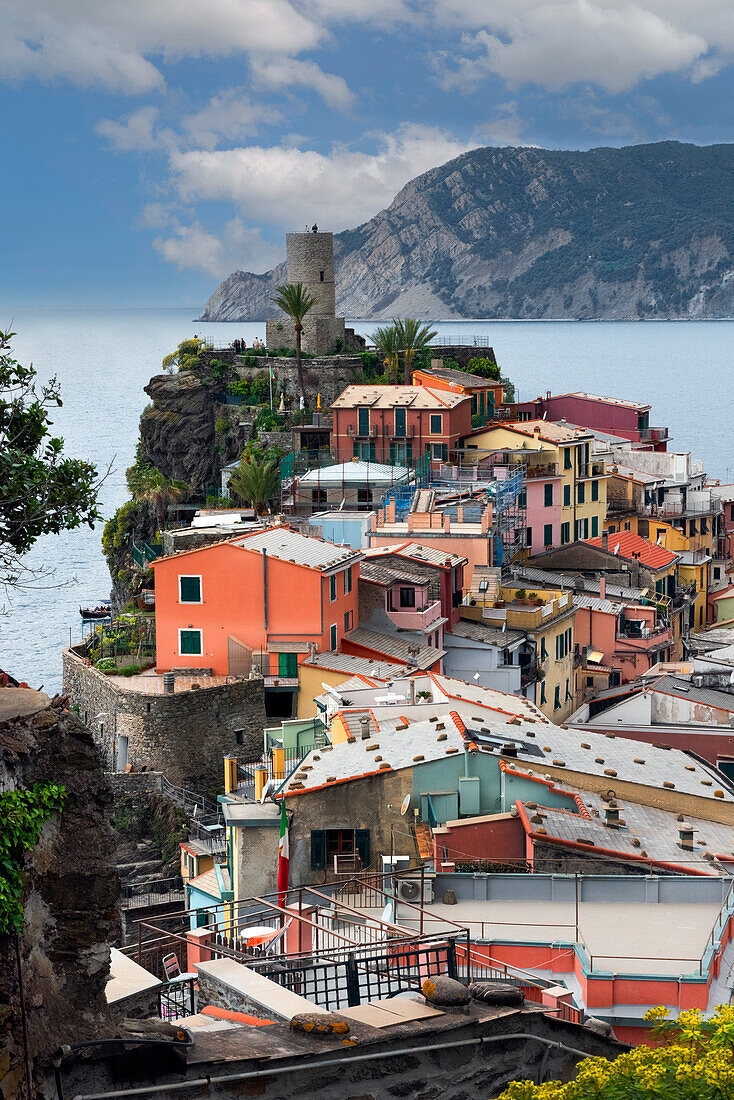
397 425
628 419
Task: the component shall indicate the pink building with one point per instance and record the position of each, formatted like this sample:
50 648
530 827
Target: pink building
468 540
628 419
544 495
623 637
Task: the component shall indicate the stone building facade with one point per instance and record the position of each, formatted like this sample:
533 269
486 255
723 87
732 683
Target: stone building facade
310 261
183 735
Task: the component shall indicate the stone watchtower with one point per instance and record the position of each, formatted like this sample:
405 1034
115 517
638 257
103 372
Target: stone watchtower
310 260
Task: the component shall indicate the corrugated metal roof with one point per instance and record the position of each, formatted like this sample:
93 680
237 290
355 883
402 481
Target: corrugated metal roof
355 473
388 574
392 397
392 645
685 689
594 603
365 666
286 545
429 554
569 580
488 635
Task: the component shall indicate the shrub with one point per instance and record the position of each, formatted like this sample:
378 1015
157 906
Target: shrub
484 368
477 420
221 425
106 664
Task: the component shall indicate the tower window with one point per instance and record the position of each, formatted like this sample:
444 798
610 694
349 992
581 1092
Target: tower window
321 276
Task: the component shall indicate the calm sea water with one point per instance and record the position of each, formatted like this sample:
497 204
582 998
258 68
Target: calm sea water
103 360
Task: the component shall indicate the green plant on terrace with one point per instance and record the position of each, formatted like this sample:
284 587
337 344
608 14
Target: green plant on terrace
23 814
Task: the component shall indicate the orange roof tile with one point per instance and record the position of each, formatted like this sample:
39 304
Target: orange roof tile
633 547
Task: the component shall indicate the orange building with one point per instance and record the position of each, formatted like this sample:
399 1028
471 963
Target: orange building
484 393
263 600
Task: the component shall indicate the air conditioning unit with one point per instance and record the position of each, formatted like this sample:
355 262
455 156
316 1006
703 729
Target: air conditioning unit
409 889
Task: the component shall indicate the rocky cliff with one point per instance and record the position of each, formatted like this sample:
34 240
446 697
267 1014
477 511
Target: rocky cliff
644 231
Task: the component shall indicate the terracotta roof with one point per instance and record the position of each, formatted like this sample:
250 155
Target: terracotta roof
458 377
633 547
392 397
548 430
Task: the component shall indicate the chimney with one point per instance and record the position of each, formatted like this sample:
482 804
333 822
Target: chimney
602 587
169 683
605 540
509 750
685 833
611 815
364 726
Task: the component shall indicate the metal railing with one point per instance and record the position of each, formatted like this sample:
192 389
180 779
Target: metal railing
474 340
177 999
145 895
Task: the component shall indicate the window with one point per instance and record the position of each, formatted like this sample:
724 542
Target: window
594 526
547 534
717 573
189 643
542 692
407 597
627 525
319 498
565 533
529 536
568 692
566 458
363 421
440 452
332 587
288 665
589 681
436 423
581 492
189 589
327 843
612 529
548 495
595 490
400 422
321 276
347 621
557 697
522 499
567 496
332 636
693 527
347 581
543 649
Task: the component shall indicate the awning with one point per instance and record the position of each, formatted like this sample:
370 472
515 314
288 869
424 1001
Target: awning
594 657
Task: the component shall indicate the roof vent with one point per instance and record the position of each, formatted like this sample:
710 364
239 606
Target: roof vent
685 833
364 726
509 749
611 815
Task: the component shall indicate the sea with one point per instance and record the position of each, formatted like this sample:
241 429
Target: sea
103 359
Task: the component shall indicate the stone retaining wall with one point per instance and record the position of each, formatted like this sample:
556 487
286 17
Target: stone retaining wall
184 735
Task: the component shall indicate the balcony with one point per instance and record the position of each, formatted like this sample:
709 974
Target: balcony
413 618
653 435
550 469
631 632
520 616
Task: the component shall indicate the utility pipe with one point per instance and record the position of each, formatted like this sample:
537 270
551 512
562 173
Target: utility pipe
278 1071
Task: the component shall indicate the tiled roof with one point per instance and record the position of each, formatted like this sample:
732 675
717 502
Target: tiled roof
656 832
392 397
633 547
459 377
630 474
486 698
684 689
594 603
428 554
364 666
279 542
207 882
393 645
608 400
588 585
386 575
552 431
489 635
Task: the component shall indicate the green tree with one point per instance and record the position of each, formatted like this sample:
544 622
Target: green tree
148 483
186 356
385 338
695 1061
412 337
484 368
41 491
256 481
296 302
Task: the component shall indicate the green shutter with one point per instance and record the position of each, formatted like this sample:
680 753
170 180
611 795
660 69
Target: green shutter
191 643
288 665
318 849
190 589
392 452
372 451
409 453
355 449
362 844
445 452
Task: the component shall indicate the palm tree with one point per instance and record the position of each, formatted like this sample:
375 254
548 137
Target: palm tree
387 343
295 301
256 481
148 483
412 337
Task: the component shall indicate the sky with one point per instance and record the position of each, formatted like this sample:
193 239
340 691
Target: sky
151 147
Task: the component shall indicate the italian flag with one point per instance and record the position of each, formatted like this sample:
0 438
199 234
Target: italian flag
283 855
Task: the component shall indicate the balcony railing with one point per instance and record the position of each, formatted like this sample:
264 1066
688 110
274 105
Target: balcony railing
653 435
411 618
550 469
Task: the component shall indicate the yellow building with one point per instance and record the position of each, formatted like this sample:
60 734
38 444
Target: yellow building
547 617
332 669
693 565
565 453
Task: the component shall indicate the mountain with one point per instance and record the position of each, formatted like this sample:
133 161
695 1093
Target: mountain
643 231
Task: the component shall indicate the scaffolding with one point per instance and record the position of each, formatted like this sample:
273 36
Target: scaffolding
358 486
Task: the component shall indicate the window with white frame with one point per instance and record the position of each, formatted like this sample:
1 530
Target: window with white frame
189 589
189 643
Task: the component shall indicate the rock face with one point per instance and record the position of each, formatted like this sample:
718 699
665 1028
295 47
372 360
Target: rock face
70 900
645 231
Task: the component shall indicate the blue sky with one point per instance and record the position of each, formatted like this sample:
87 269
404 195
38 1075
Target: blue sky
152 148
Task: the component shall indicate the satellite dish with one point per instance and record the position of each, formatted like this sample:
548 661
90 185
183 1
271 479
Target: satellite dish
266 790
405 806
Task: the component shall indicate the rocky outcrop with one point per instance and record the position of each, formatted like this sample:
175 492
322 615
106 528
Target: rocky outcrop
70 898
645 231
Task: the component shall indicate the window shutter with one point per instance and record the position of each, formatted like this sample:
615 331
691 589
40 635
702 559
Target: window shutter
392 452
372 452
409 453
362 843
355 449
445 452
318 849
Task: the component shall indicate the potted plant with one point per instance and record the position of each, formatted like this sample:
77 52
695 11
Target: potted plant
535 599
521 596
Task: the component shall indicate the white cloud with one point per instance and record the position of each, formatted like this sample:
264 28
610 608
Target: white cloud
135 133
110 43
284 72
229 116
288 187
194 247
505 127
613 44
